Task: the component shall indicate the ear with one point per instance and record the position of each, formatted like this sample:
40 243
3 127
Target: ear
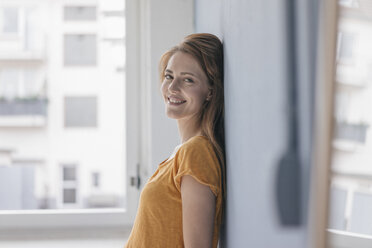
210 94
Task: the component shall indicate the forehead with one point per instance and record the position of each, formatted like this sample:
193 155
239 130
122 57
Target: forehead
184 62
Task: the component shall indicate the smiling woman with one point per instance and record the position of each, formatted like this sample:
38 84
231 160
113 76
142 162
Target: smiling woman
185 88
182 203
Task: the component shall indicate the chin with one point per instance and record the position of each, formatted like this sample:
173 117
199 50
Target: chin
173 115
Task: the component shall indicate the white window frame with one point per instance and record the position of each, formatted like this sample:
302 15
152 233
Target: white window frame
140 57
319 234
346 239
64 221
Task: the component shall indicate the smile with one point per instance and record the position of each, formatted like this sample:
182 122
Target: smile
174 101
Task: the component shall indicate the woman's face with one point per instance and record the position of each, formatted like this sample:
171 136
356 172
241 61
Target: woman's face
185 87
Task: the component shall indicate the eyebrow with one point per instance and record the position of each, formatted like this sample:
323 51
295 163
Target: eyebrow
182 73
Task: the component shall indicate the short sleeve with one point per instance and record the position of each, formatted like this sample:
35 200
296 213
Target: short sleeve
198 159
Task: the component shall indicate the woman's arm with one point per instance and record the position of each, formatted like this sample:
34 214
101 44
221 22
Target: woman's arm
198 210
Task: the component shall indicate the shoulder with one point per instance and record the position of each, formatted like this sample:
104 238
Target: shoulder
197 143
197 158
197 150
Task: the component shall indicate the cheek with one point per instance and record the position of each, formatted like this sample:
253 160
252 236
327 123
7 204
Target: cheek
199 95
163 88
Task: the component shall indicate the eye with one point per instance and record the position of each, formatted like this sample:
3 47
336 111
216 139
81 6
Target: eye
189 80
168 76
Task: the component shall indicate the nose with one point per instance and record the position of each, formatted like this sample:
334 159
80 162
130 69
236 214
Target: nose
174 85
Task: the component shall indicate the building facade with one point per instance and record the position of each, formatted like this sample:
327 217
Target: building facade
351 190
62 113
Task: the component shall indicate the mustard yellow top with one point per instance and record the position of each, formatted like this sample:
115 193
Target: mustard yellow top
159 218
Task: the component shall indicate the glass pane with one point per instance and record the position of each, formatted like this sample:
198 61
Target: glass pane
80 111
351 191
80 49
69 173
361 214
17 187
9 83
69 196
338 205
80 13
10 20
62 113
346 45
95 179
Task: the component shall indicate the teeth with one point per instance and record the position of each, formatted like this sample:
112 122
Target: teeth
175 101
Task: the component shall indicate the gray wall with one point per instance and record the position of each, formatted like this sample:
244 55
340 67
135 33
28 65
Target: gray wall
169 22
254 37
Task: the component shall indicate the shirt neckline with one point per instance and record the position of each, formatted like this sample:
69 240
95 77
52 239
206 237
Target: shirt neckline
171 157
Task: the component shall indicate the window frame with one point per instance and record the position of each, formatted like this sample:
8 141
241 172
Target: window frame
320 236
65 221
339 238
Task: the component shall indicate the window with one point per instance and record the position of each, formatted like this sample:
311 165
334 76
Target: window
349 3
345 48
96 179
21 83
9 20
80 111
69 185
17 186
80 13
113 150
338 201
361 213
9 83
351 179
69 173
80 49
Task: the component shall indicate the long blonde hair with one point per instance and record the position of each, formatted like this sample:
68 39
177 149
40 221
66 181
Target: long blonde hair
207 49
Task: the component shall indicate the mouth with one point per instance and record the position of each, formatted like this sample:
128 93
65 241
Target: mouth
175 101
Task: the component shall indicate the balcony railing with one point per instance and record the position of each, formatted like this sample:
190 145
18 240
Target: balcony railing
355 132
23 113
23 107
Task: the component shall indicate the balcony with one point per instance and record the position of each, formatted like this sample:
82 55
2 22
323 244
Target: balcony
24 112
355 132
23 55
22 49
350 136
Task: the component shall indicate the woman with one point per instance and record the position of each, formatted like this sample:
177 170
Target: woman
181 204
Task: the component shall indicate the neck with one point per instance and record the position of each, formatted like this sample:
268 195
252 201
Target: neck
188 128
